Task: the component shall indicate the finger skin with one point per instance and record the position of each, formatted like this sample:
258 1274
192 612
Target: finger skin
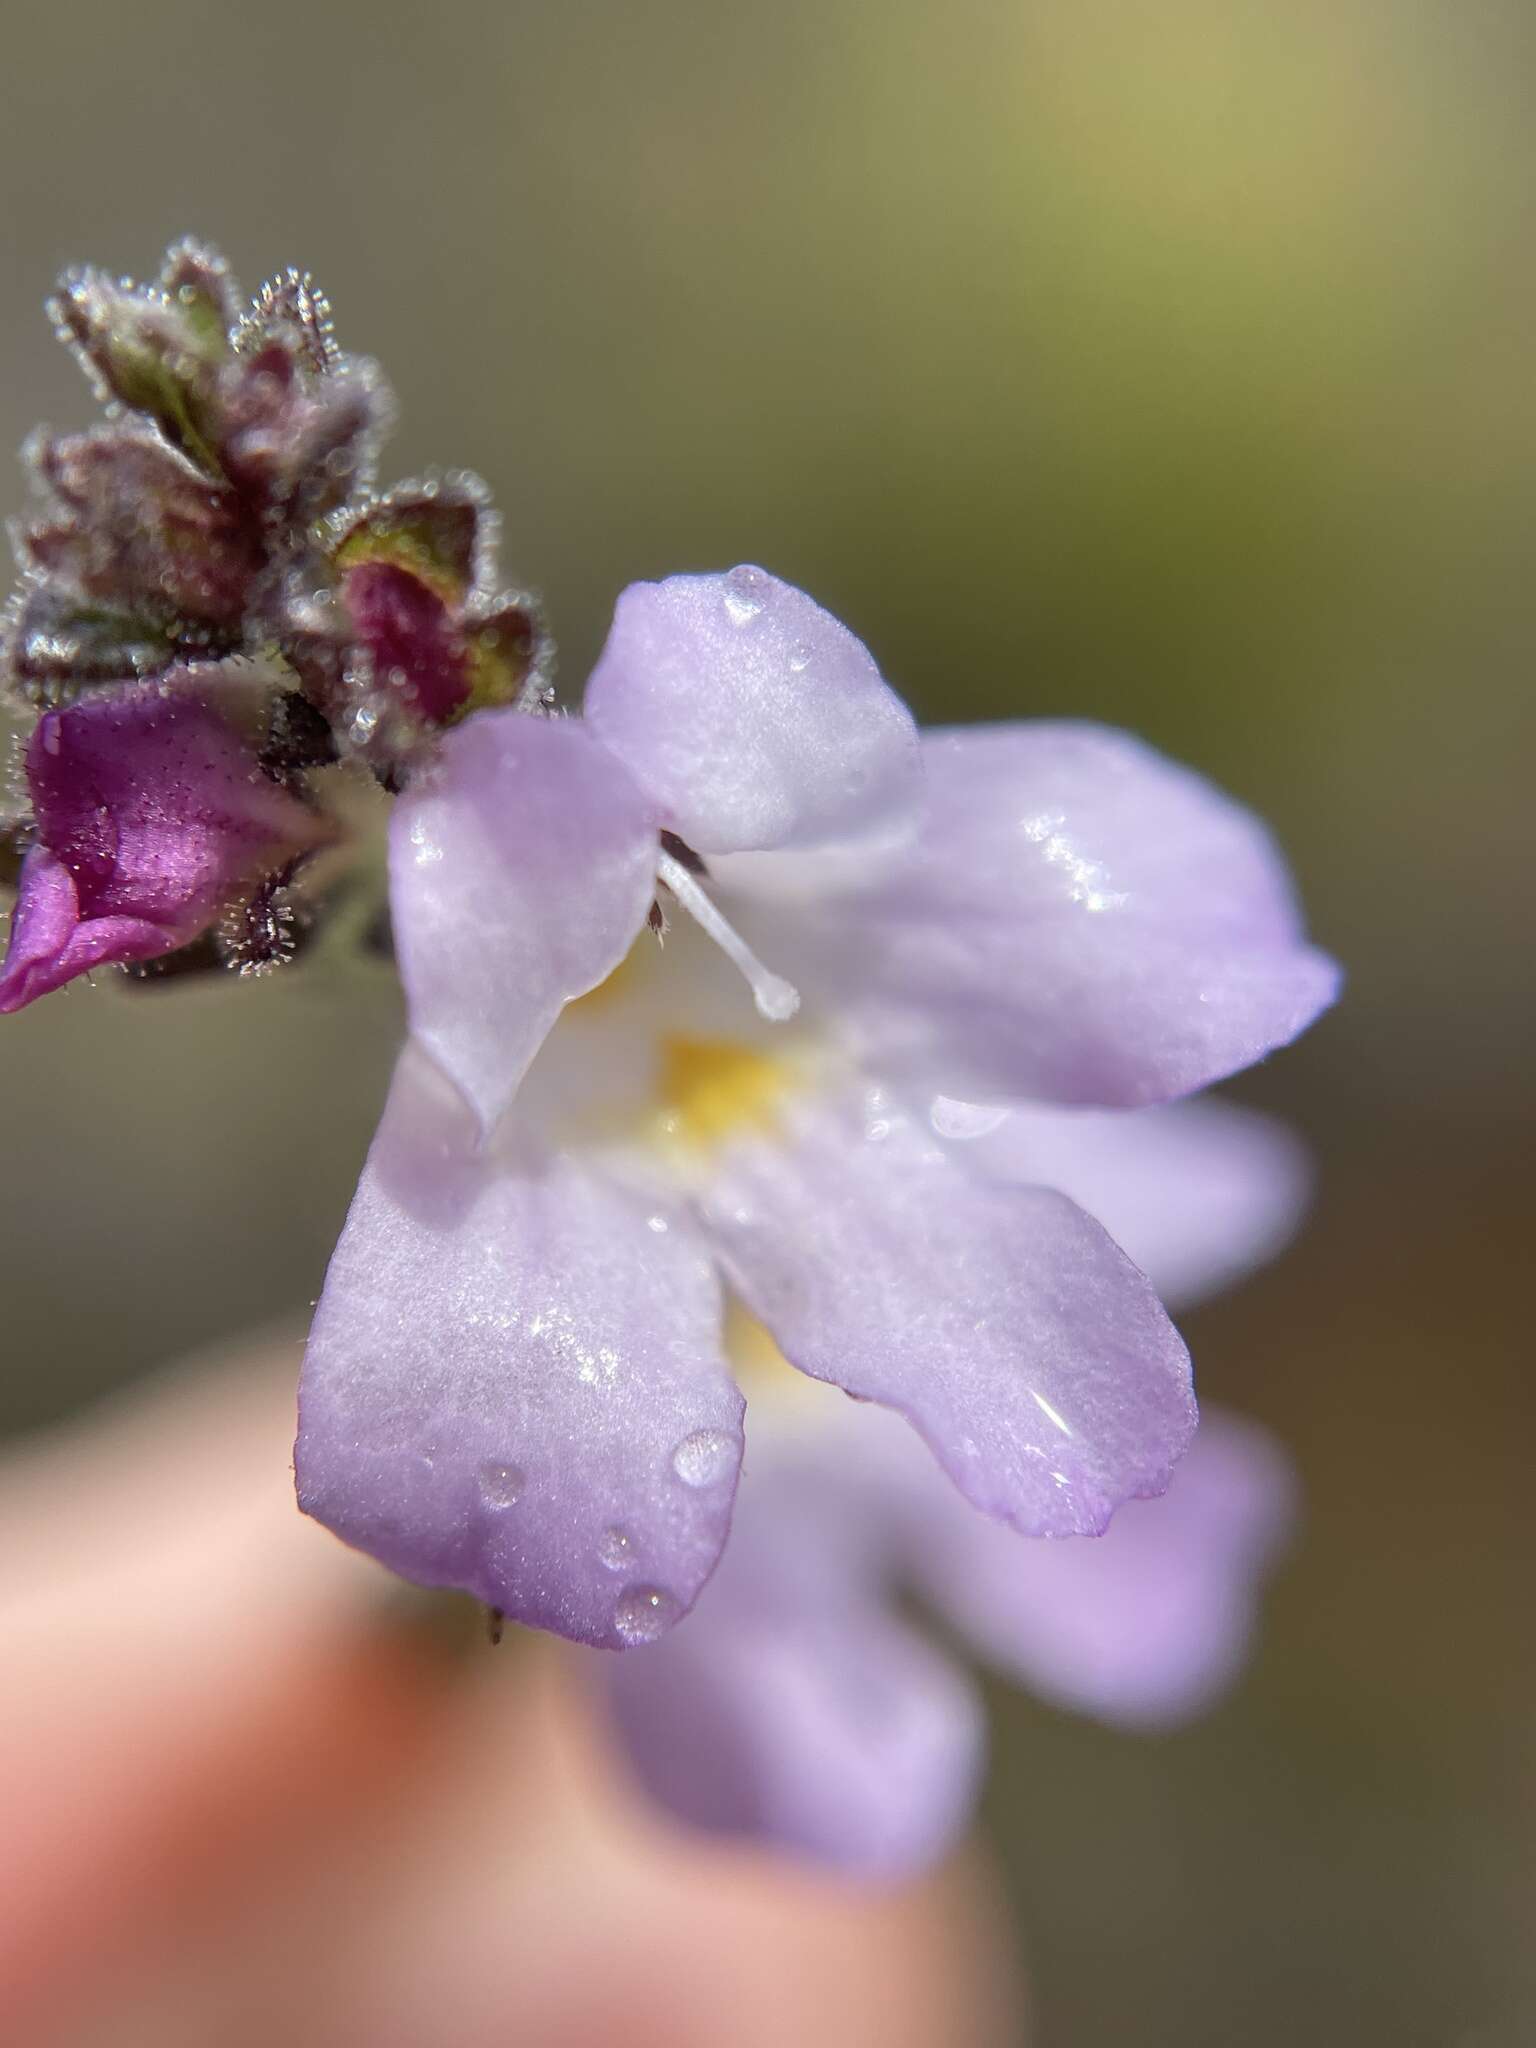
248 1801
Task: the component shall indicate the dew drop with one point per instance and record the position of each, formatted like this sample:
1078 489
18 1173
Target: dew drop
952 1118
800 660
643 1613
501 1486
742 596
704 1457
615 1548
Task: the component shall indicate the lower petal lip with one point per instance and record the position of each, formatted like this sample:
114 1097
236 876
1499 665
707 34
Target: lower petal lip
509 1372
1004 1323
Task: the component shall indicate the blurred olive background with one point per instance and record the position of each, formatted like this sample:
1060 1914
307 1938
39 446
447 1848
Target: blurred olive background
1170 365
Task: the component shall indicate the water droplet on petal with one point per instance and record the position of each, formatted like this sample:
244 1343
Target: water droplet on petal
742 595
501 1486
800 660
705 1457
643 1613
615 1548
952 1118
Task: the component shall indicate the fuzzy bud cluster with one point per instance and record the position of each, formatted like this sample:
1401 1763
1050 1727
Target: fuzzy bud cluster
218 540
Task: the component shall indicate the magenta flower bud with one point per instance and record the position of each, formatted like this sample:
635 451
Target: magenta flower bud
138 526
430 635
153 816
411 635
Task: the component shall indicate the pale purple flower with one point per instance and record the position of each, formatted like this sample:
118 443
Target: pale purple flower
153 816
801 1706
517 1382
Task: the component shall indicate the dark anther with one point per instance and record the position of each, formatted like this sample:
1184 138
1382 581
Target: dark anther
268 928
684 855
298 738
493 1620
656 918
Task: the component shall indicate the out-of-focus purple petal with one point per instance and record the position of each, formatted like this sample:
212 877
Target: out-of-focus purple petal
514 1382
1145 1625
794 1707
1003 1322
521 869
1197 1193
152 814
1078 921
751 717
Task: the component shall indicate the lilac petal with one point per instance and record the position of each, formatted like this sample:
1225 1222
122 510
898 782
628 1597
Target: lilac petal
751 717
1197 1193
521 870
795 1708
514 1382
1144 1626
1080 921
1003 1322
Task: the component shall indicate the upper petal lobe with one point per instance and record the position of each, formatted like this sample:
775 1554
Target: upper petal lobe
521 869
751 717
1079 921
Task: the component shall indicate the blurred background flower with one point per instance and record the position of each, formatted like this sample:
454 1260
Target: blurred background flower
1167 366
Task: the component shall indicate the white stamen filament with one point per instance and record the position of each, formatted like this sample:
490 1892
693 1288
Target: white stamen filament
776 998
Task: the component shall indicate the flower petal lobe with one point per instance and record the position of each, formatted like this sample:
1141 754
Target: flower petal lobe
795 1708
521 871
1079 921
1003 1322
507 1355
752 717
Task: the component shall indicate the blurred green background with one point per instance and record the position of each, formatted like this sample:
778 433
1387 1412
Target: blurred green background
1169 365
